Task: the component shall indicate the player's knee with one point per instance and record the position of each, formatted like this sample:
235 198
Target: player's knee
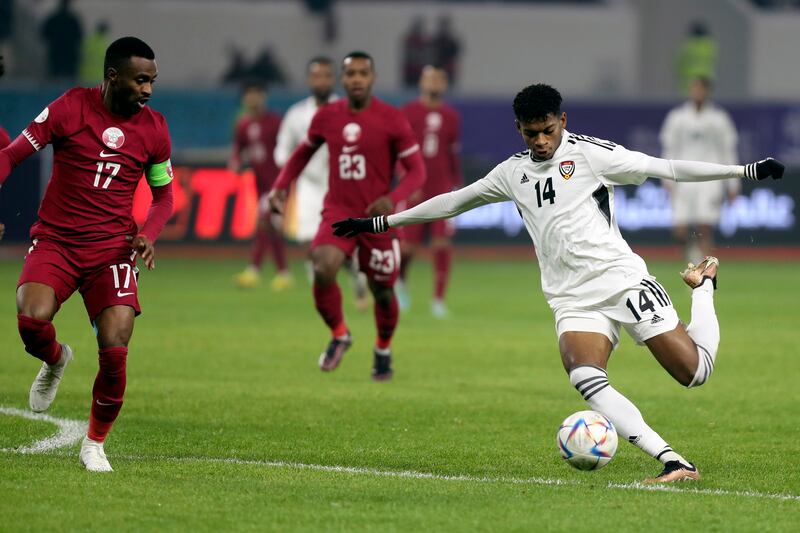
384 296
705 366
324 272
114 326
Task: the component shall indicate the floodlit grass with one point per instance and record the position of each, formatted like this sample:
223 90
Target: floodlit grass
216 374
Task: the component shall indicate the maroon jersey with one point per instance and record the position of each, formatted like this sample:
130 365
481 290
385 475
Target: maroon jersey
364 147
255 137
5 140
98 160
437 131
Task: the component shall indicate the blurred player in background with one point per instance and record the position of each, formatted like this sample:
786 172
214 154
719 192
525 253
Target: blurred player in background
254 142
563 187
699 130
311 186
86 239
366 138
437 126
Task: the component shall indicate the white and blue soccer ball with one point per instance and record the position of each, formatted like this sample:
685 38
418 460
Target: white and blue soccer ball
587 440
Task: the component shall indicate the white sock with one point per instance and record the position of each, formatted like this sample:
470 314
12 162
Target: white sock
704 331
592 383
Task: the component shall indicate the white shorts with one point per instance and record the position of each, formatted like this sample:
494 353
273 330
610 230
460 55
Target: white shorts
697 203
309 209
644 311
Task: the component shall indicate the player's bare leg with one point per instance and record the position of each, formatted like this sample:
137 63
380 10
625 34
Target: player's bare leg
327 260
386 316
283 278
408 251
36 307
359 282
114 329
442 258
585 356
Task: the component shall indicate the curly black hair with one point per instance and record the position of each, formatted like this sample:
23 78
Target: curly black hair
535 102
123 49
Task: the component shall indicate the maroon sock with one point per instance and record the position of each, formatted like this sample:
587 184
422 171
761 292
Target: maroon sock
260 246
39 337
108 391
328 300
441 270
386 320
278 250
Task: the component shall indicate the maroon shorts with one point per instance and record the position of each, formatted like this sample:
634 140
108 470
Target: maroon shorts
415 234
378 254
105 274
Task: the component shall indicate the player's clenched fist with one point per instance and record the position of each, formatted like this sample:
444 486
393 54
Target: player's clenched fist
351 227
761 170
277 200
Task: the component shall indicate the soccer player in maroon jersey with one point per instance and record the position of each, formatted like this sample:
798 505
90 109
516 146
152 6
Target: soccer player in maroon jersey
254 143
436 125
366 138
104 138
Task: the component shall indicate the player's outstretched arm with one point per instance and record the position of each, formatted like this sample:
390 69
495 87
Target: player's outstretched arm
14 154
692 171
297 162
443 206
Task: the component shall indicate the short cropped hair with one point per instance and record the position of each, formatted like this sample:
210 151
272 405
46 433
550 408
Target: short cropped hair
125 48
254 84
535 102
321 60
358 54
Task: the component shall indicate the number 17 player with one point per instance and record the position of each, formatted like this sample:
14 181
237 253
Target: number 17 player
563 186
86 240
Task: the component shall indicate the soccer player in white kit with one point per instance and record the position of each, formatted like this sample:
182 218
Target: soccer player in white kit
699 130
312 185
563 188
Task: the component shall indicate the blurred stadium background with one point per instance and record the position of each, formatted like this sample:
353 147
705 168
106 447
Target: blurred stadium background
615 61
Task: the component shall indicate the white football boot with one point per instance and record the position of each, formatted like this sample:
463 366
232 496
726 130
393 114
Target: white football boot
45 386
93 457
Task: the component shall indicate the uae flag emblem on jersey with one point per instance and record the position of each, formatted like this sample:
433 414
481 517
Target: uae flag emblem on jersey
567 169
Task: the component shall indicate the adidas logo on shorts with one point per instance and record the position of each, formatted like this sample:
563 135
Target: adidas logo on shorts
656 319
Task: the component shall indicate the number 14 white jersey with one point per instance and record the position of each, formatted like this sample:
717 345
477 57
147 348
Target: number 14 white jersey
567 204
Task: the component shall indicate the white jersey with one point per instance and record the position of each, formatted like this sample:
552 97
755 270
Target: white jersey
567 204
292 132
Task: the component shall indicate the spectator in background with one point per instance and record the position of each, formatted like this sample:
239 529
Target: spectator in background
416 52
237 65
6 18
699 130
267 69
93 54
254 144
446 49
63 35
697 57
324 10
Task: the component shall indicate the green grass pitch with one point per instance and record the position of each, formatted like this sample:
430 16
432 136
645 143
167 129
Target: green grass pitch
229 424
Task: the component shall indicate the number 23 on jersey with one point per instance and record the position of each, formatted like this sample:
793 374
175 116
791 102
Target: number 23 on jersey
352 167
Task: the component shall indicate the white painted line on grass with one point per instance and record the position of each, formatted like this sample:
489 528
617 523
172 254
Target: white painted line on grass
69 431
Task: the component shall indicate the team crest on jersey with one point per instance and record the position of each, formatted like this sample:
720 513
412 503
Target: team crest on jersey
433 121
567 169
42 116
113 138
351 132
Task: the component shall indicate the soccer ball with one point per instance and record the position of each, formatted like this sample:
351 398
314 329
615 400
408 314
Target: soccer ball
587 440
